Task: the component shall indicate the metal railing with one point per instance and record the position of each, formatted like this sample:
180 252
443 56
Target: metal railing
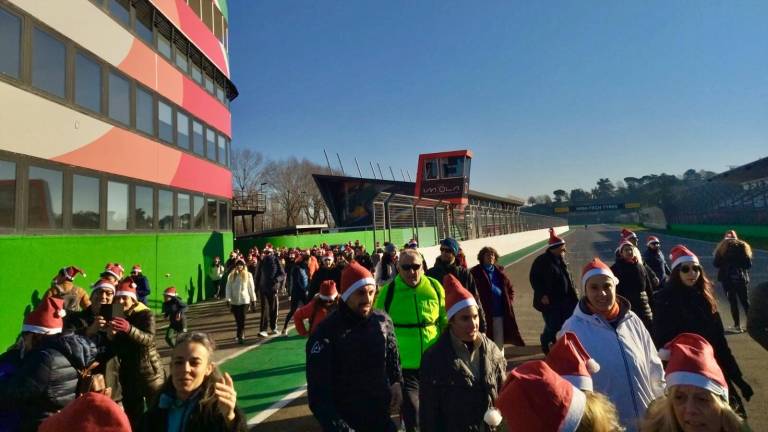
719 203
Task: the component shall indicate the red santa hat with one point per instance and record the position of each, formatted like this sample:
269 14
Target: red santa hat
456 296
623 242
136 268
681 254
558 406
115 269
731 235
46 318
69 273
170 291
91 412
570 359
651 239
103 284
691 361
328 255
328 290
126 288
268 247
554 240
353 278
594 268
627 234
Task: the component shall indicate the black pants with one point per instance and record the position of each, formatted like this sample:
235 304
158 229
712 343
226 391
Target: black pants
217 285
409 410
239 312
553 322
737 292
268 311
298 299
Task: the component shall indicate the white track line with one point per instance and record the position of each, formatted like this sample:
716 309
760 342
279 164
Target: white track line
290 397
250 347
565 234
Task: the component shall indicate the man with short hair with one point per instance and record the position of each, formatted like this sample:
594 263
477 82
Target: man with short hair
269 277
416 304
353 366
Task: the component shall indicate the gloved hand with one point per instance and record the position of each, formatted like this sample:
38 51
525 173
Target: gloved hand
120 325
746 389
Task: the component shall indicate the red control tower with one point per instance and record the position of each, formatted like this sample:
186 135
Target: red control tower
444 176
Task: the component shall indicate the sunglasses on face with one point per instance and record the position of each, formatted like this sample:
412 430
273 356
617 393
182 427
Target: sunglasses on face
409 267
685 269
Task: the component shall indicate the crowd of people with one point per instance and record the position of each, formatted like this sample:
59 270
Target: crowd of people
638 345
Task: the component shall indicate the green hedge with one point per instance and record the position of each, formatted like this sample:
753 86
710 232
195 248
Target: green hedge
755 235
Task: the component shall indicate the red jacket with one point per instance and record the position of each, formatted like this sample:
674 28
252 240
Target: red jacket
305 313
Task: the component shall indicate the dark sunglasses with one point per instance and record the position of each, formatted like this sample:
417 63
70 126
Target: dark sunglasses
414 267
686 269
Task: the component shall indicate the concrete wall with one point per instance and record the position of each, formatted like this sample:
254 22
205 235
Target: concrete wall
505 244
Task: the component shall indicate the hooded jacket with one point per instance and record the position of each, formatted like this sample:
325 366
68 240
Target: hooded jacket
631 374
655 260
550 277
733 265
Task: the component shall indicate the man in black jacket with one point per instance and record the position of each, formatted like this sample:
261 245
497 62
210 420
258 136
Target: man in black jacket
327 271
446 264
268 279
353 366
554 294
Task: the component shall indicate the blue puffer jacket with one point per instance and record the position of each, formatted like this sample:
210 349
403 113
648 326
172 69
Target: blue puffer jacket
46 379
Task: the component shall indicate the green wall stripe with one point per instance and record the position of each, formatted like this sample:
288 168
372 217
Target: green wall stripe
398 236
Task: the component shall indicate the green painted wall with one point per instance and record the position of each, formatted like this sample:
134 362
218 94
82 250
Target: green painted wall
30 262
755 235
427 237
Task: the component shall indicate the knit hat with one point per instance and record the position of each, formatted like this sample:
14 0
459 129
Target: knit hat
126 288
651 239
353 278
136 268
170 291
456 296
594 268
46 318
627 234
731 235
69 273
691 361
558 406
451 244
91 412
681 254
328 290
554 240
413 244
570 359
390 248
103 284
114 269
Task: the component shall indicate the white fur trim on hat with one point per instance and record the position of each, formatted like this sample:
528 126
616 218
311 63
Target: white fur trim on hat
104 285
40 329
598 271
575 411
125 294
170 294
357 285
329 298
461 305
685 259
697 380
581 382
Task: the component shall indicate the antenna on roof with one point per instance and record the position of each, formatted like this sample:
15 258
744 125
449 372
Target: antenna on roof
409 175
392 172
340 165
372 170
358 168
328 161
380 174
401 173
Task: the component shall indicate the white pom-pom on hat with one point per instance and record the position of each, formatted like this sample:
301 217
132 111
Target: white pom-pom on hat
593 366
61 313
492 417
664 354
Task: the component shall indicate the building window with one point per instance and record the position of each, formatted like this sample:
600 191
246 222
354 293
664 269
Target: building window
144 208
144 20
85 202
165 121
210 142
197 74
117 206
229 153
198 145
182 130
182 207
44 198
223 216
87 82
48 63
165 209
119 99
120 9
211 213
164 45
10 44
209 83
222 145
181 56
208 13
145 115
7 193
195 5
198 209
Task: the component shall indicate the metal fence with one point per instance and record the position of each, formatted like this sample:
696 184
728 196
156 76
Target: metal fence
720 203
398 218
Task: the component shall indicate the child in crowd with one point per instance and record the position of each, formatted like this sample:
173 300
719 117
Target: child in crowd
176 311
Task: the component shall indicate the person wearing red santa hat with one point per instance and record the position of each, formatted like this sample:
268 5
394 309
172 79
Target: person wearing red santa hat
327 271
697 391
48 364
63 287
353 365
630 373
687 304
536 398
175 310
654 258
141 372
91 412
462 373
113 272
317 309
629 236
554 294
636 281
142 283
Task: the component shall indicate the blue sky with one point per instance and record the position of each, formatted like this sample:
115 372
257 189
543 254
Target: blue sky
547 94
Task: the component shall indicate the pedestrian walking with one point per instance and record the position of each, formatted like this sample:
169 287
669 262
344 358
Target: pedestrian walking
386 268
353 365
299 288
216 274
757 318
175 311
327 271
629 236
269 278
240 292
416 304
143 289
687 304
317 309
635 283
733 259
630 374
63 287
464 368
113 272
554 294
654 258
497 297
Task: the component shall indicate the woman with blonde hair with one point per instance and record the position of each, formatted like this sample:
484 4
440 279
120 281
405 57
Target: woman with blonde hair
697 392
733 259
240 292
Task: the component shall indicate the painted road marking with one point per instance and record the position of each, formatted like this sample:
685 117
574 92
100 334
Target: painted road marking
250 347
290 397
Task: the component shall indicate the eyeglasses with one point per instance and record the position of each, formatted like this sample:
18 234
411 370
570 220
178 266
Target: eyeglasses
409 267
686 269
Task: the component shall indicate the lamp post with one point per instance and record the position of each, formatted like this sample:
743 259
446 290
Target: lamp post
264 209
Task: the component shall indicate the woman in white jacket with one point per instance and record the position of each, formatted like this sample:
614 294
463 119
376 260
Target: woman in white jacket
240 292
631 374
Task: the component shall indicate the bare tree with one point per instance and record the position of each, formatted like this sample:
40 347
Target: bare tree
247 170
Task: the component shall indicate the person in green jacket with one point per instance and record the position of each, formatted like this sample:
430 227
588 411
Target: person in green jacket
416 305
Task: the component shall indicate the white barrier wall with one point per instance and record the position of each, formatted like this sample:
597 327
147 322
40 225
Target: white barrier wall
504 244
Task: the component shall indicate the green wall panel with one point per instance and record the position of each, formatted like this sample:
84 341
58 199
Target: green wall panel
30 262
760 231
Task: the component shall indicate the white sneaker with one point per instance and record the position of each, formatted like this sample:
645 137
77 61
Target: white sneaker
285 332
273 332
263 334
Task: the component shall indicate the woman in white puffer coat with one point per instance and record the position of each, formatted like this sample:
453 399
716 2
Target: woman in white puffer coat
240 292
